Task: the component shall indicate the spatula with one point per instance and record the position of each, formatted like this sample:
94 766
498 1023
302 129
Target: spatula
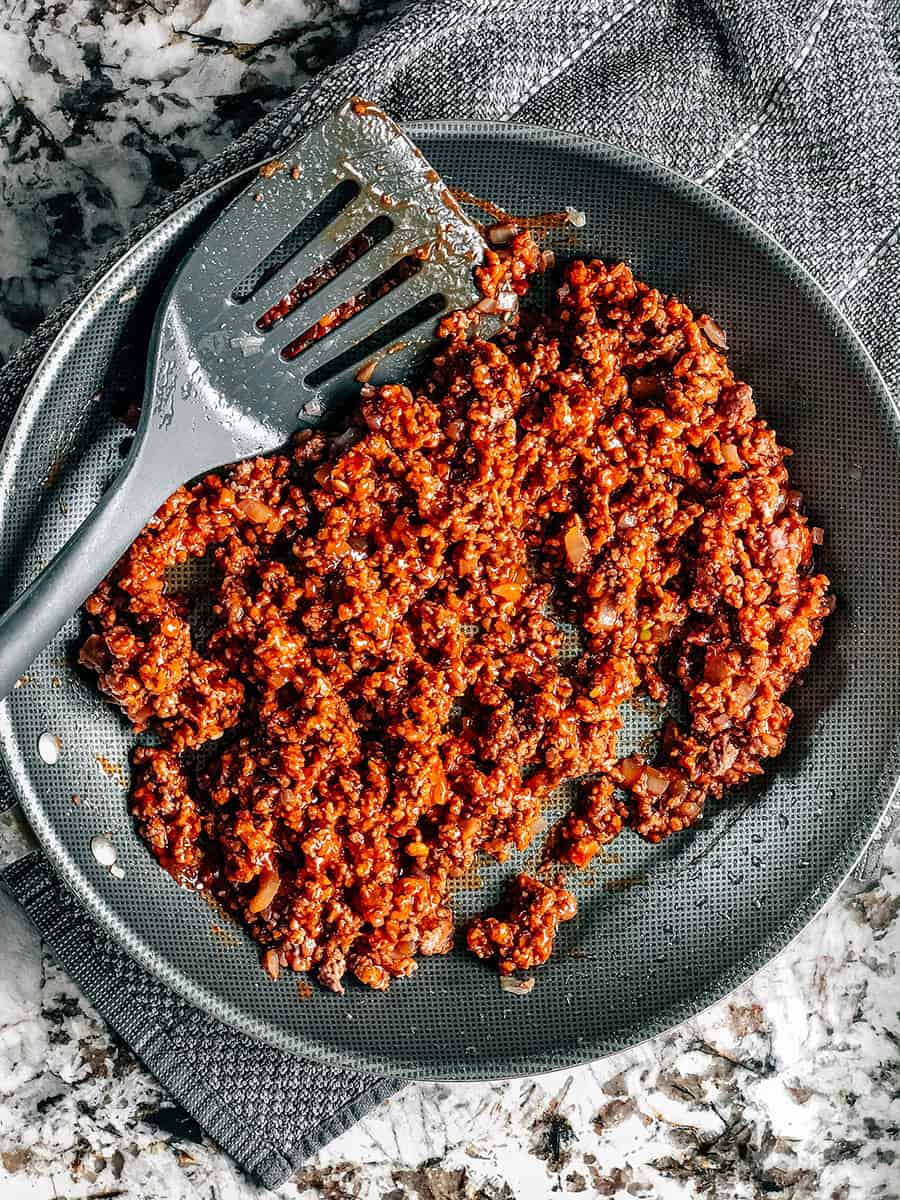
335 264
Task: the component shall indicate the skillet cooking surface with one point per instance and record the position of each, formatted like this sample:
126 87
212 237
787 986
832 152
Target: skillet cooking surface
662 931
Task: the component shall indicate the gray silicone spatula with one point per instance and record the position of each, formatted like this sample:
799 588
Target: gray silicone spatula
249 342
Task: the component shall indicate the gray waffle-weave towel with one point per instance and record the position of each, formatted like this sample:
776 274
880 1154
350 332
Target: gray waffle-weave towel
790 109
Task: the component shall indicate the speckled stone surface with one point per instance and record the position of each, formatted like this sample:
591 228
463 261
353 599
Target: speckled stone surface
789 1088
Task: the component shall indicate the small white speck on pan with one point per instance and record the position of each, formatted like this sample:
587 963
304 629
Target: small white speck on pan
517 987
128 295
49 748
103 850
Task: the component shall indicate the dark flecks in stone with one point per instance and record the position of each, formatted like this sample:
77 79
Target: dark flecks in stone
86 103
554 1137
763 1067
335 1182
434 1182
62 1008
615 1112
48 1102
15 1160
18 309
64 215
103 232
166 172
877 909
123 1061
26 137
305 34
94 1058
97 194
175 1121
841 1151
240 111
613 1184
887 1131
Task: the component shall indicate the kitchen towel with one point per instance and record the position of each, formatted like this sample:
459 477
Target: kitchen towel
788 108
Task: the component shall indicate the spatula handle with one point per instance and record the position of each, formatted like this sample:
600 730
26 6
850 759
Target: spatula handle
43 608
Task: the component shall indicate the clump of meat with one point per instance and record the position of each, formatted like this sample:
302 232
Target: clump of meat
522 936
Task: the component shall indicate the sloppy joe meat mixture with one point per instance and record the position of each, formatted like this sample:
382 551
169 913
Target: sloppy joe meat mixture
380 696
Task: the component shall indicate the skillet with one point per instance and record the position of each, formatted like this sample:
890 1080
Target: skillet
662 931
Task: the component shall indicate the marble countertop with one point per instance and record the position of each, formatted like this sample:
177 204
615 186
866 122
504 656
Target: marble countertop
790 1087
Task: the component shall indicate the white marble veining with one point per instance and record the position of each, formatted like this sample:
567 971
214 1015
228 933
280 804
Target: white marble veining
791 1087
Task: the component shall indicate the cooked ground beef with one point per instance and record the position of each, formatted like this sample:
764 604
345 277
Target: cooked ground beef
523 937
384 655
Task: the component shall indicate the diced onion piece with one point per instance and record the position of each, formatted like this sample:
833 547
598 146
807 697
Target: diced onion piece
655 782
743 692
507 302
678 789
517 987
269 883
607 615
501 235
254 510
714 332
577 545
631 770
576 217
817 535
716 668
548 260
94 653
730 456
103 850
438 784
271 964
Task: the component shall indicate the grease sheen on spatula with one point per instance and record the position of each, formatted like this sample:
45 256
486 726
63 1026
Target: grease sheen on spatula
221 385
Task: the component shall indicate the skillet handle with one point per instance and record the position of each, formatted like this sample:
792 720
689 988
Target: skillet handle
93 550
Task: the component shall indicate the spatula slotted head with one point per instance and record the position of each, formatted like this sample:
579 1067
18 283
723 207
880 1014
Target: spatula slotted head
335 264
